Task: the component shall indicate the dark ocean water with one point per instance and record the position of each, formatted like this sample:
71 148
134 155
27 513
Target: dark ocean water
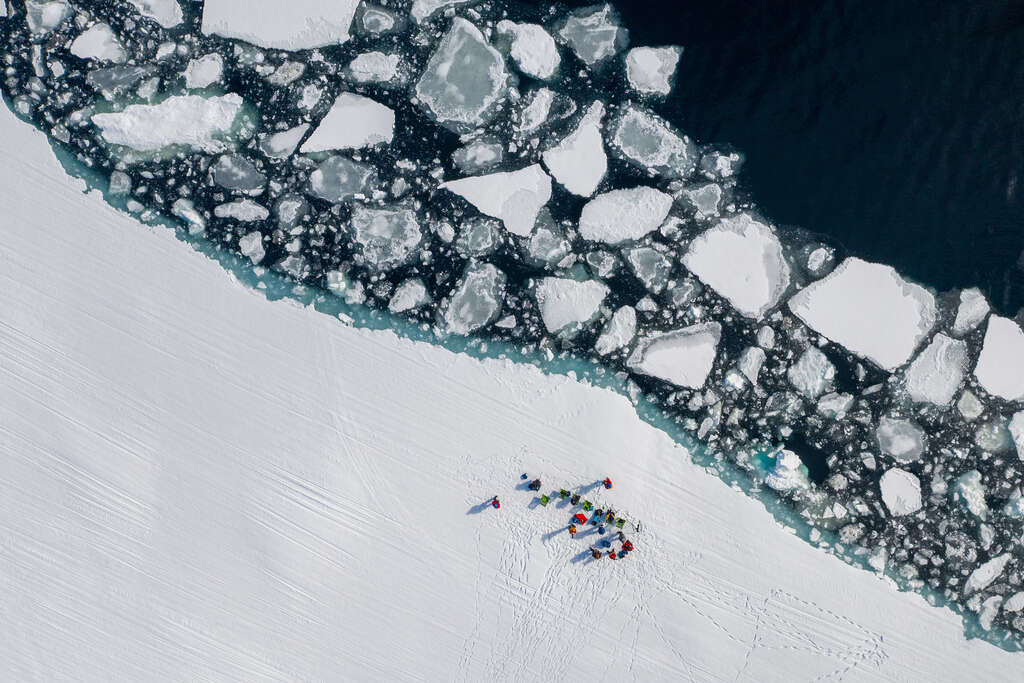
896 128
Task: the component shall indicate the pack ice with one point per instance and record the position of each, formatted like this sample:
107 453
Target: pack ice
292 25
683 357
353 122
1000 368
566 303
514 197
624 215
197 122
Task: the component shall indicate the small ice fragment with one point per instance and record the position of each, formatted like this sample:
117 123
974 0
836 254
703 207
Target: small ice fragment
292 25
478 236
235 172
99 42
650 70
282 145
532 49
834 406
287 73
813 374
787 472
479 155
705 199
251 246
1000 368
937 372
566 304
409 295
969 406
476 301
1017 432
204 71
190 120
116 80
901 439
593 33
514 197
901 492
374 67
617 332
750 363
353 122
375 20
387 237
243 210
186 211
969 490
623 215
535 111
972 310
579 161
983 576
650 266
682 357
424 9
167 13
339 179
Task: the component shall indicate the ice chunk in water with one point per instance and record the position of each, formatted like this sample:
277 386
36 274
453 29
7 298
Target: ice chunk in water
647 141
535 111
476 301
969 490
1000 368
532 48
42 17
969 406
682 357
167 13
618 332
115 80
409 295
190 120
479 155
704 198
1017 432
936 373
623 215
100 43
374 67
813 374
251 246
235 172
650 70
787 472
204 71
750 363
742 260
353 122
594 33
869 309
478 237
282 145
424 9
579 161
901 492
514 197
650 266
972 310
566 305
243 210
339 179
186 211
994 436
547 245
983 576
464 79
387 237
901 439
292 25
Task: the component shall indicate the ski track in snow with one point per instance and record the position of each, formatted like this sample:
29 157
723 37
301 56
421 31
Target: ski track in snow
196 483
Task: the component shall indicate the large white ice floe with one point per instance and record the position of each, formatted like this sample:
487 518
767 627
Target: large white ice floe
935 375
1000 368
387 237
292 25
190 120
593 33
624 215
579 161
476 301
617 332
647 141
984 575
353 122
167 13
870 310
682 357
100 43
204 71
514 197
567 304
812 374
972 310
464 79
786 472
532 48
900 439
650 70
741 259
901 492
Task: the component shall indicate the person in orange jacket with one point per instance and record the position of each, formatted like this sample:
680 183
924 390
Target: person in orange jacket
595 553
572 530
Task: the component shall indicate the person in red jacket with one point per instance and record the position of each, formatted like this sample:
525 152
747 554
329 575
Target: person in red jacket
627 545
494 503
607 483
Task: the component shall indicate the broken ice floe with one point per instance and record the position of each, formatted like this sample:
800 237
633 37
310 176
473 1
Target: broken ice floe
567 304
593 33
683 357
624 215
353 122
295 25
99 42
1000 368
532 48
513 197
651 70
190 120
579 161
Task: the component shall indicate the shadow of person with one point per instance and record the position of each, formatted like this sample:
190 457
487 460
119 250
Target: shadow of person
479 507
582 557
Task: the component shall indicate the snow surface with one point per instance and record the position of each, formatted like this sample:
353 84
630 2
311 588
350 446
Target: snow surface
624 215
937 372
514 197
901 492
568 303
100 43
1000 368
167 13
579 161
683 357
353 122
198 122
650 70
870 310
741 259
238 499
292 25
533 49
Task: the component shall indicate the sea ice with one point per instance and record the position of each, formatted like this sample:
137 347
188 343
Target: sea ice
42 17
235 172
167 13
647 141
813 374
566 304
969 406
579 161
1000 368
593 33
682 357
532 49
972 310
705 199
387 238
935 375
374 67
282 145
514 197
547 245
292 25
464 79
650 70
617 332
742 260
983 576
198 122
424 9
204 71
353 122
787 472
478 155
476 301
834 405
650 266
901 439
251 246
478 236
339 179
186 211
750 362
113 81
535 111
901 492
243 210
409 295
623 215
100 43
969 490
375 20
870 310
1017 432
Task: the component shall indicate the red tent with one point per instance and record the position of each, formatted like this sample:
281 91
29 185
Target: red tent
580 518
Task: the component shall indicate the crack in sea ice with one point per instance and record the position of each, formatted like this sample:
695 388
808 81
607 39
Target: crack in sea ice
501 171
